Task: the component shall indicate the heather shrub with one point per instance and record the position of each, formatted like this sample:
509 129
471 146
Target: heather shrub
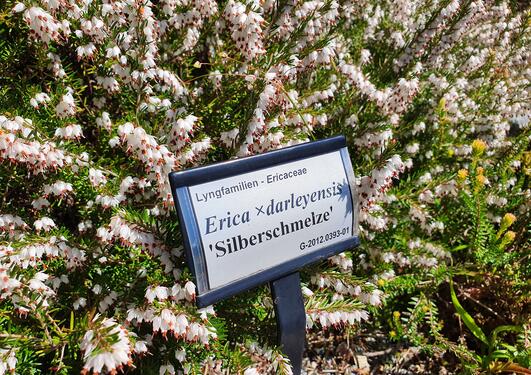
100 100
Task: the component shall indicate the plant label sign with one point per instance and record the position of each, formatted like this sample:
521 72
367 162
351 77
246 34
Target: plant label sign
253 220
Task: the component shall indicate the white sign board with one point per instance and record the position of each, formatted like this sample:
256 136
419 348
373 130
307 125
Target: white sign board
258 220
271 218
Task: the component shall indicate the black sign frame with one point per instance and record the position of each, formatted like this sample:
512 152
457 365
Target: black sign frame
180 182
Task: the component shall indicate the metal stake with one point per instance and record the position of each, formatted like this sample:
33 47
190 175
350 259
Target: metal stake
291 318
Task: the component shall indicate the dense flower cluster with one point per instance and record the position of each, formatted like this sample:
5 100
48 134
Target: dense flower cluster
433 98
105 348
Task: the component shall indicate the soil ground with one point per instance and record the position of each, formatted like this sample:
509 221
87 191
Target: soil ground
368 354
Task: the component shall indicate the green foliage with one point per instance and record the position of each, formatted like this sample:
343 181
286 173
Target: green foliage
459 211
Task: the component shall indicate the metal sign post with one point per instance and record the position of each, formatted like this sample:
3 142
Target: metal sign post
291 318
260 219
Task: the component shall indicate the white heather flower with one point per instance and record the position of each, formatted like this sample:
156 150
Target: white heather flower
435 226
412 148
131 43
57 281
196 151
58 188
42 25
107 300
96 177
55 65
86 51
104 122
425 178
380 180
44 223
8 361
112 52
10 223
67 106
182 324
99 102
109 83
40 98
365 56
205 311
181 131
72 131
19 7
140 347
36 156
190 290
307 292
8 284
103 234
37 283
228 138
374 297
419 128
114 141
159 292
447 188
426 196
84 226
158 160
246 29
387 275
167 369
215 77
135 315
106 347
180 355
79 303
